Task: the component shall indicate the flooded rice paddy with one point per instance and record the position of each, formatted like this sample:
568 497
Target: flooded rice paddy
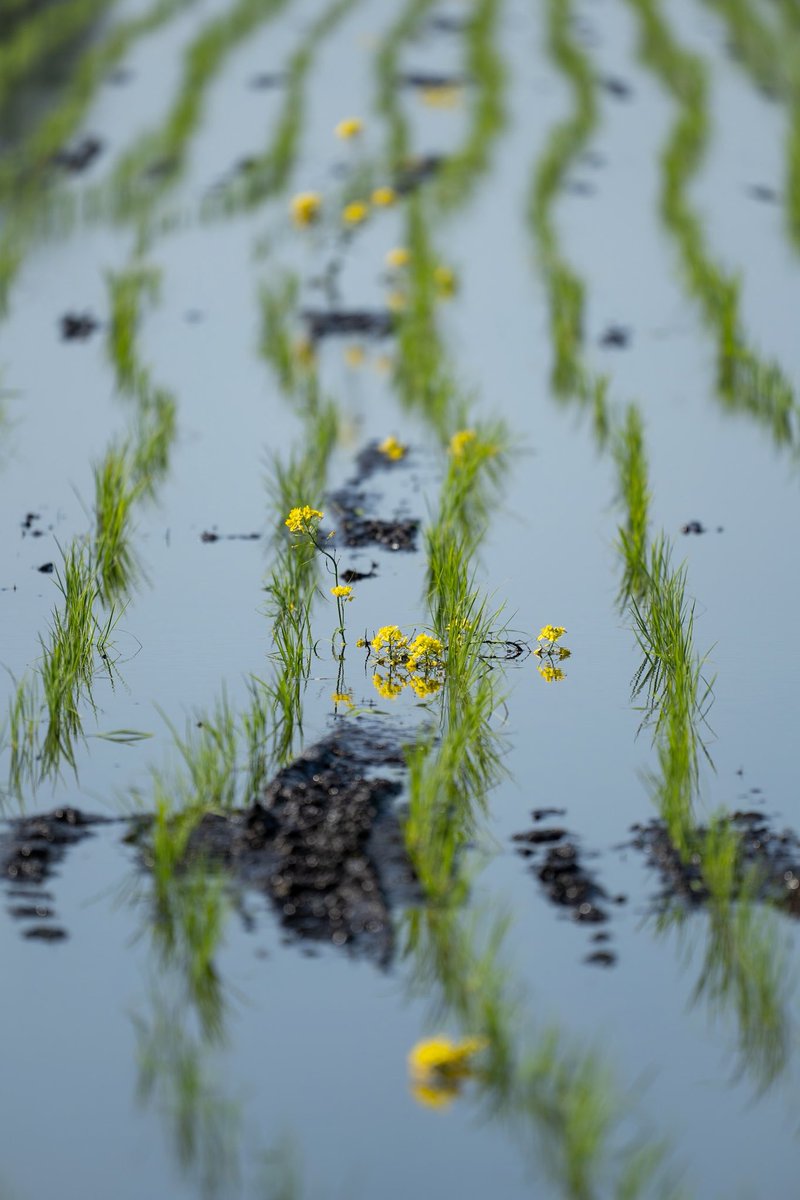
399 459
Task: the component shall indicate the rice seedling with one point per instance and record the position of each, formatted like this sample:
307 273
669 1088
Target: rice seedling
25 49
631 463
485 66
388 103
128 290
268 173
115 495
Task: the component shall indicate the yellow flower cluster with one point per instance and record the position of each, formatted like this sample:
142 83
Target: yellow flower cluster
391 636
305 208
342 591
439 1066
424 651
393 449
355 213
354 356
389 688
460 441
551 633
299 519
342 698
446 281
418 664
349 128
551 674
384 197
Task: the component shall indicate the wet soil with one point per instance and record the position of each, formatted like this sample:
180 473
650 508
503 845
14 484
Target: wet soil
768 857
77 327
336 322
352 502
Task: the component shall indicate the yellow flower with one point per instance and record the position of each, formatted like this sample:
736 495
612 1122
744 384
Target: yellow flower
459 442
563 653
397 302
551 674
399 257
361 643
391 636
354 356
342 698
551 633
392 448
305 207
447 96
304 352
389 688
383 363
441 1058
355 213
349 128
446 280
425 649
342 590
299 519
383 197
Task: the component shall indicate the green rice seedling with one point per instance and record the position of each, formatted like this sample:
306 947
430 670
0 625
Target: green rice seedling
268 173
412 13
634 495
21 735
153 439
165 148
115 495
485 66
129 290
277 302
746 382
208 752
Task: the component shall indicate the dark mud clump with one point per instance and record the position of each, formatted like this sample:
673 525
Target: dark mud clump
335 322
266 80
211 535
417 171
430 79
565 877
77 327
616 87
616 337
322 843
351 575
769 861
31 850
356 528
78 157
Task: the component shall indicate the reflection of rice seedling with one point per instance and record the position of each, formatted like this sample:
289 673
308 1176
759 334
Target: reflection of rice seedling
115 495
631 462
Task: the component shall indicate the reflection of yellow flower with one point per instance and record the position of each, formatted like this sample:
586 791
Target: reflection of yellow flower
354 356
399 257
424 687
383 363
355 213
445 280
551 674
440 1094
383 197
342 698
442 1058
349 128
342 590
459 442
392 448
299 519
389 688
305 207
551 633
563 652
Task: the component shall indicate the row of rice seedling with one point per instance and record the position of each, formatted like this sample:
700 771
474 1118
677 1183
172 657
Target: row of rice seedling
746 382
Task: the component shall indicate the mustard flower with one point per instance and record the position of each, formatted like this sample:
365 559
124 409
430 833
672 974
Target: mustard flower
397 302
551 633
355 213
446 96
424 649
389 635
299 519
459 442
304 352
393 449
423 687
342 698
349 128
342 591
305 208
446 280
354 356
399 257
551 674
440 1094
384 197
